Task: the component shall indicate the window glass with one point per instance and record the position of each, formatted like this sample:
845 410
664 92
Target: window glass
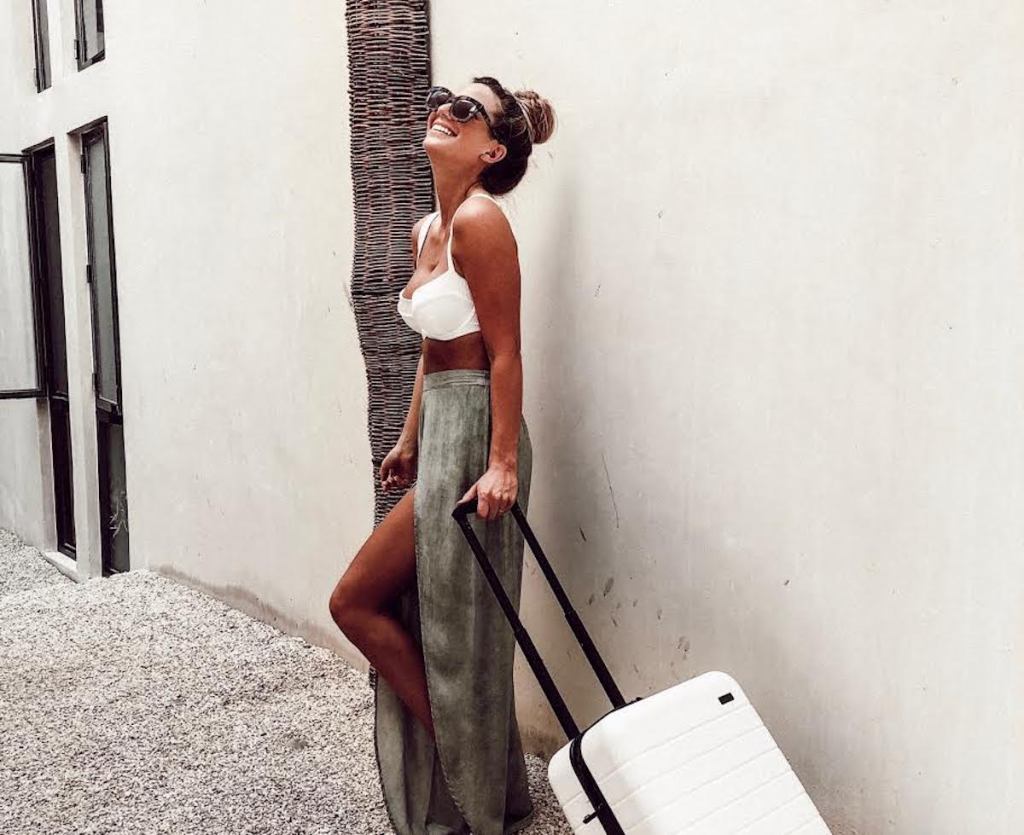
102 277
17 322
92 29
42 31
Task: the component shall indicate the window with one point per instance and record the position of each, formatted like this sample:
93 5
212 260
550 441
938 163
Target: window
45 240
89 32
101 277
21 338
33 348
42 34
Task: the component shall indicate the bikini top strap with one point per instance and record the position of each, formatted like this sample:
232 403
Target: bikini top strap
488 196
423 231
451 234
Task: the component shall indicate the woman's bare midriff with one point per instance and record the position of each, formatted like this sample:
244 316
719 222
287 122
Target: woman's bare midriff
466 351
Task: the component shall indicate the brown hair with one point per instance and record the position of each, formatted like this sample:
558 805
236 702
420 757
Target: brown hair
527 119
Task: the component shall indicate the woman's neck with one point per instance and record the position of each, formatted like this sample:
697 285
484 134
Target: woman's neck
450 194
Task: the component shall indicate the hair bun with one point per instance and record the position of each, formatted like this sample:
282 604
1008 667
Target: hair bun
539 113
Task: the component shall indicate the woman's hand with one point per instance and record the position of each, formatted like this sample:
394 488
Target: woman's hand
495 491
398 469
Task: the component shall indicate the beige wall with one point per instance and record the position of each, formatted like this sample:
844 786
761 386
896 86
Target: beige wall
772 350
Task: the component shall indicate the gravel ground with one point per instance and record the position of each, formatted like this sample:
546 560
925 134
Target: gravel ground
133 704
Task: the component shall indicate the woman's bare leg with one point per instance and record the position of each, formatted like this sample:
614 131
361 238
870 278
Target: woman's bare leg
383 568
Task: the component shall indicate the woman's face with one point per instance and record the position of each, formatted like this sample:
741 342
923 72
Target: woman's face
470 138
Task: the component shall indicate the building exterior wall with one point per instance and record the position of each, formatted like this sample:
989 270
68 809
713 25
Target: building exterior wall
244 388
771 342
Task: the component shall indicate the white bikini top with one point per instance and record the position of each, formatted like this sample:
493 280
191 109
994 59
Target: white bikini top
441 308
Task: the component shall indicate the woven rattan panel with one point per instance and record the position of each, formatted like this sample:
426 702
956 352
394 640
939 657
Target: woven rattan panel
389 73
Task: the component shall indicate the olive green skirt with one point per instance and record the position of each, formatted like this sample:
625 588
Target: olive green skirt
474 778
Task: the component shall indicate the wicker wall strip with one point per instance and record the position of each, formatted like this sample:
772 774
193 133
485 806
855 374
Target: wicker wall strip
392 186
389 73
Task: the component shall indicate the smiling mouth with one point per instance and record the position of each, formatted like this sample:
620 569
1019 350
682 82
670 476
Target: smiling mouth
439 124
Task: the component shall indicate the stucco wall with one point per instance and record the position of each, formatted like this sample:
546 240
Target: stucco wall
772 347
771 340
244 387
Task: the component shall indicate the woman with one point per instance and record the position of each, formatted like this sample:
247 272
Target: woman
413 599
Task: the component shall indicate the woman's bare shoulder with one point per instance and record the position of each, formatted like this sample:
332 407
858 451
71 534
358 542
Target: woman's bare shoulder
483 222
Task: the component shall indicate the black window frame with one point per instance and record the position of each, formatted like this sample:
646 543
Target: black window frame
115 556
98 130
58 396
42 47
80 34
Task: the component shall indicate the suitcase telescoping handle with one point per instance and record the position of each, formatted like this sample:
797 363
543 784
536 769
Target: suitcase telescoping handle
460 515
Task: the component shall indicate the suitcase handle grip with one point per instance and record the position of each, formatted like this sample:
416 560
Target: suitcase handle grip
460 514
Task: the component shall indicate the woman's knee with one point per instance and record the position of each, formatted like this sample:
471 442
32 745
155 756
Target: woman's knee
346 610
382 568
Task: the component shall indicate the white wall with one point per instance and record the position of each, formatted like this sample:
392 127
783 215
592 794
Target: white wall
772 356
772 352
244 388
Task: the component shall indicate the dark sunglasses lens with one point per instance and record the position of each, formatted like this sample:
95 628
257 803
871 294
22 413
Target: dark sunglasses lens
462 109
437 96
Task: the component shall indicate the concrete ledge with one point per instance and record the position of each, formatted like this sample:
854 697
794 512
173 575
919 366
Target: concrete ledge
63 563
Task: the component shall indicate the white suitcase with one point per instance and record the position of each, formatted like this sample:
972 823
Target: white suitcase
693 759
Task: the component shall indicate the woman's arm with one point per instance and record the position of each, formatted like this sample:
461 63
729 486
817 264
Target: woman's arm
486 251
506 409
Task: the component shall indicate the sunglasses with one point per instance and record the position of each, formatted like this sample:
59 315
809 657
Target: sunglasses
463 108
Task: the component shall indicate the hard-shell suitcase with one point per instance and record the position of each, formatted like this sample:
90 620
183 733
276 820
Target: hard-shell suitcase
695 758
